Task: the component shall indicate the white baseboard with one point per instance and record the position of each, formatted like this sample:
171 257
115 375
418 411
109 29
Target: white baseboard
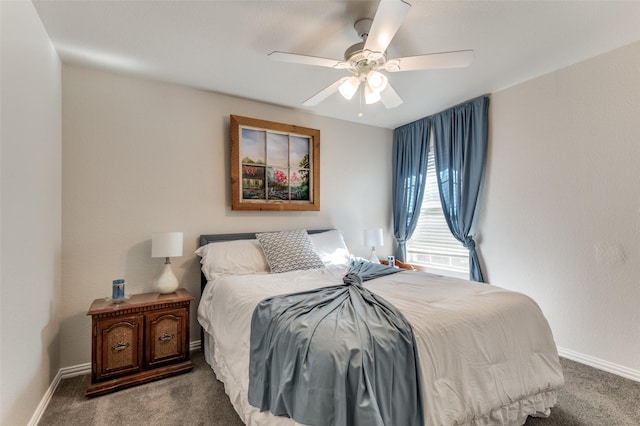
194 346
76 370
73 371
37 415
600 364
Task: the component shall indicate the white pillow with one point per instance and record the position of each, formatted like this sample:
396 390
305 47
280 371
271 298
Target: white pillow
289 251
331 247
239 257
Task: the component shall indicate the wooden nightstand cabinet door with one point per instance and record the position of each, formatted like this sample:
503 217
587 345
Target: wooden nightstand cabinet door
166 334
119 346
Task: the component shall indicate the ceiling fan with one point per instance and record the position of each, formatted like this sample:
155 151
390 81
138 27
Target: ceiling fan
366 59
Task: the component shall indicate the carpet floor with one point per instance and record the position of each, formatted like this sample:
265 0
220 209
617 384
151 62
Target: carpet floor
590 397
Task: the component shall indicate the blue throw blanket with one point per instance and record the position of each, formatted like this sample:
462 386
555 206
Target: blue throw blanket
338 355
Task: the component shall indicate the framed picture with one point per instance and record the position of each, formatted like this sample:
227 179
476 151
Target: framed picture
274 166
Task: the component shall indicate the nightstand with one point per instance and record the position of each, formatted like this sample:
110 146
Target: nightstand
144 338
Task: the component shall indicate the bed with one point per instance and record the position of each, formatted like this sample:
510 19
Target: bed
486 355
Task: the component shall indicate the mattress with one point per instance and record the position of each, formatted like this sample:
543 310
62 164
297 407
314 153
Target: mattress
487 355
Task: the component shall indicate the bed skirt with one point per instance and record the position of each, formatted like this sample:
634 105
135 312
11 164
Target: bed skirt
514 414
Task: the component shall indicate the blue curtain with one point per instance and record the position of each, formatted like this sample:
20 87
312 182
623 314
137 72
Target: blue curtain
410 152
460 137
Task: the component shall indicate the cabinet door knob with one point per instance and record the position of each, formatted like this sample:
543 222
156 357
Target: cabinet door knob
121 346
166 337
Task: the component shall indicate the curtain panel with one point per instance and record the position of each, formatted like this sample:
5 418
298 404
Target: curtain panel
410 153
460 137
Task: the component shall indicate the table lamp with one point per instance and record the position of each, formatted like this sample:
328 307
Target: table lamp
373 238
167 245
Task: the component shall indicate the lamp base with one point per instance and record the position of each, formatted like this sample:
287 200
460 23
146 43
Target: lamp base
167 282
374 257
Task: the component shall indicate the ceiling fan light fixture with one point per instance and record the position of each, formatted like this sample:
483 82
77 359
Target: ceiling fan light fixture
377 81
349 87
371 97
367 60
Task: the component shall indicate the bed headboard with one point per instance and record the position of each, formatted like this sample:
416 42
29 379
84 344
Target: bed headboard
216 238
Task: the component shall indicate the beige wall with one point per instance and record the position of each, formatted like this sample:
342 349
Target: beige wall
30 194
141 156
561 207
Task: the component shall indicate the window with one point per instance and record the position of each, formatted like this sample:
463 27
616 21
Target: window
432 245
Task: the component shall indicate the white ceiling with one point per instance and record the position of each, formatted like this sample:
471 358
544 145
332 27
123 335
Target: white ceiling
222 46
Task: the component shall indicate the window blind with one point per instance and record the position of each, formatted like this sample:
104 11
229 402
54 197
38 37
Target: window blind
432 244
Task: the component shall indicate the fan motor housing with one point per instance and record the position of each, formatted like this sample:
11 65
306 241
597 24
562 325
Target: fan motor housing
358 62
354 55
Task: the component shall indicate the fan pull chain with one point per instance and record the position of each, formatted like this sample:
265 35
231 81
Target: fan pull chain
360 114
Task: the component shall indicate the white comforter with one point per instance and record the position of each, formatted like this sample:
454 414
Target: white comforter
487 355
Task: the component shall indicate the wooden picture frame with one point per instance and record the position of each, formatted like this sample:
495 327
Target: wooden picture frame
274 166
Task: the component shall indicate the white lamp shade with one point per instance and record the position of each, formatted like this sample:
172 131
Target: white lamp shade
373 237
371 97
377 81
349 87
166 244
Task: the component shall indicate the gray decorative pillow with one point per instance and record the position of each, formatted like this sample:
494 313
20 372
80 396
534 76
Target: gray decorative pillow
289 251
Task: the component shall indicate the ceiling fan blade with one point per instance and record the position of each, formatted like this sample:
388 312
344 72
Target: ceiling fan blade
324 93
304 59
390 97
388 19
457 59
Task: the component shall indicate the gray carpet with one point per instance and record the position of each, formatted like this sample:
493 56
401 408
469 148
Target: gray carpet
194 398
590 398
